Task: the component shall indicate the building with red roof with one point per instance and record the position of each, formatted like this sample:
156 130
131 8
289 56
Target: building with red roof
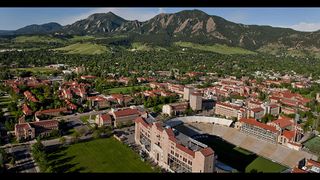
258 129
175 108
229 110
28 131
70 105
257 113
51 112
26 110
30 97
88 77
282 123
172 151
124 116
103 120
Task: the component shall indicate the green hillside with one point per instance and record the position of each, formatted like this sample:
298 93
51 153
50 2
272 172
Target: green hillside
81 38
37 39
217 48
137 46
83 48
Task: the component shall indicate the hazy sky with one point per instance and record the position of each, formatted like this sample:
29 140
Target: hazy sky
303 19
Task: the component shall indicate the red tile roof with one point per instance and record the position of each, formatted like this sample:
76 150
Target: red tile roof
273 106
228 105
288 134
297 170
258 109
46 123
26 110
29 96
105 117
142 121
96 98
185 149
126 112
313 163
88 77
21 127
207 151
159 126
283 122
64 109
258 124
117 96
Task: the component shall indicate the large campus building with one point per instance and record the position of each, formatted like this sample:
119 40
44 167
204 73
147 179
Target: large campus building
196 101
173 150
30 130
282 131
230 110
258 129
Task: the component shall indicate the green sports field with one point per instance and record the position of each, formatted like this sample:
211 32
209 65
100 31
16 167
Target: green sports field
313 145
239 158
264 165
124 90
101 155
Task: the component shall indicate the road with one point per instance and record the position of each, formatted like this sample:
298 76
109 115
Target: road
24 162
77 116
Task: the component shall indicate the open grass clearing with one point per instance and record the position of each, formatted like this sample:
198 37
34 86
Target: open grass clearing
84 48
97 156
217 48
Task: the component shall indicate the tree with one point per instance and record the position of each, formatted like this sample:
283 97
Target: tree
96 134
82 131
75 136
254 171
12 161
62 140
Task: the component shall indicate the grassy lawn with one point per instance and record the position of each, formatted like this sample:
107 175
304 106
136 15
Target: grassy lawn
81 38
101 155
217 48
37 39
264 165
84 48
85 119
313 145
124 90
36 69
4 101
145 47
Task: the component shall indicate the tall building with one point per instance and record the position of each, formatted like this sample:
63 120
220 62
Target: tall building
186 92
230 110
196 101
173 150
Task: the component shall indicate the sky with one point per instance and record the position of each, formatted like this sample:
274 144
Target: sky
302 19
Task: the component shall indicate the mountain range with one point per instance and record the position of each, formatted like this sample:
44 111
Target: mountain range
188 25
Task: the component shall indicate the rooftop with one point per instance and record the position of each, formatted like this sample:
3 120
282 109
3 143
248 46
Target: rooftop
126 112
258 124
